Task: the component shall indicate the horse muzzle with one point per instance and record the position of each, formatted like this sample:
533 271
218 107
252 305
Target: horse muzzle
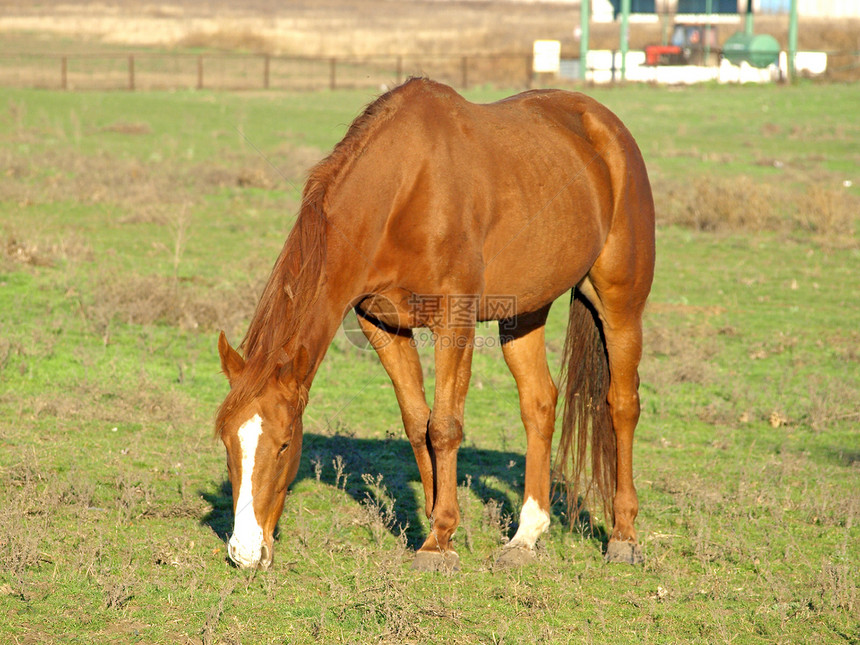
249 557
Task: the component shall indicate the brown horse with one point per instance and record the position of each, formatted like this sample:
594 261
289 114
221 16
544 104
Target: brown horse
436 212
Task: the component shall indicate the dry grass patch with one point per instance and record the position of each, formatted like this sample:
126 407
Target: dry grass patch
26 506
144 191
131 184
826 212
228 39
154 299
837 582
831 401
716 204
128 127
102 406
676 355
741 204
18 249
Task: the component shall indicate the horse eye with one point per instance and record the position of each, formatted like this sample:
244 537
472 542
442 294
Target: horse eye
283 448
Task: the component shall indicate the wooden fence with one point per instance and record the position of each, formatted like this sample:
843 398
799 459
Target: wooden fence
150 71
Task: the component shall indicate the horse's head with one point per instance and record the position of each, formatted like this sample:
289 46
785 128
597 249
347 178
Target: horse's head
263 438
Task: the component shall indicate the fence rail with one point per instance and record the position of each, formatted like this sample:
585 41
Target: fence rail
156 71
214 71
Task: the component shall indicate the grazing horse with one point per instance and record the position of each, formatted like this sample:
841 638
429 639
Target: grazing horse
436 212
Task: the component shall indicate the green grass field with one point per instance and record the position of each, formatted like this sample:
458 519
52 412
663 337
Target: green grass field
134 226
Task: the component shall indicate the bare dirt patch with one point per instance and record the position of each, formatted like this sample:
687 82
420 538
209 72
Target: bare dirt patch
128 127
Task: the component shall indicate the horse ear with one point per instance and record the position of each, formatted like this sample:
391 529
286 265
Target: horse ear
231 363
300 371
301 365
295 372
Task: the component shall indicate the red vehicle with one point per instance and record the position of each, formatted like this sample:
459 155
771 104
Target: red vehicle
687 46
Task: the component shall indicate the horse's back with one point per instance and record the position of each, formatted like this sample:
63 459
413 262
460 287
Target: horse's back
522 191
542 116
550 144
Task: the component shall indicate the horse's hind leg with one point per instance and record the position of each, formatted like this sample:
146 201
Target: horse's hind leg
524 350
620 311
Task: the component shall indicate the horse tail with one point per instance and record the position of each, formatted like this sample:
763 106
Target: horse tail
586 420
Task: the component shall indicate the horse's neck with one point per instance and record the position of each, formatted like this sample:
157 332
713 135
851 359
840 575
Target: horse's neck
354 230
318 328
344 277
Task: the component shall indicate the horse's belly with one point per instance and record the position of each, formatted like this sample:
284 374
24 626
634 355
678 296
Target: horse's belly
512 295
534 266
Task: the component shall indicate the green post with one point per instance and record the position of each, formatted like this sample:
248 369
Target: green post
748 20
664 28
792 39
584 22
625 36
708 9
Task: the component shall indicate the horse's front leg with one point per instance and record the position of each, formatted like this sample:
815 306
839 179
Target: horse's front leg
453 355
399 357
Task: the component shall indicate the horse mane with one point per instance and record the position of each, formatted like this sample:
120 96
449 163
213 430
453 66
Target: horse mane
300 270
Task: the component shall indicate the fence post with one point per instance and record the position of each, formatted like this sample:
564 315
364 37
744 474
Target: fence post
464 72
200 72
529 66
131 72
64 73
266 71
332 73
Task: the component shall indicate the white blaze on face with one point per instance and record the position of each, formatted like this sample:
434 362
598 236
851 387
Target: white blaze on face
245 547
533 521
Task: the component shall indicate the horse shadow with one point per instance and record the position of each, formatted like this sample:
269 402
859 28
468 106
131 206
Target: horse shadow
341 459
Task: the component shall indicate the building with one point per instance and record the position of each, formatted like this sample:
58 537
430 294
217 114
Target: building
805 8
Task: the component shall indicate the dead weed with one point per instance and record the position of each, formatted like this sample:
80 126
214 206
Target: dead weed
831 401
26 506
827 212
378 507
382 600
838 584
496 520
215 613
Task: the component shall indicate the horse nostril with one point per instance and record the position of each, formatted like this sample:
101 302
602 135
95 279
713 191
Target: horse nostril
231 551
265 556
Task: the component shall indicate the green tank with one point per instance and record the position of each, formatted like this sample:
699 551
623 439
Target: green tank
759 50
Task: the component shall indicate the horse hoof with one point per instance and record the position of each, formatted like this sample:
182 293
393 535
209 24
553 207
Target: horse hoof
447 562
514 557
624 552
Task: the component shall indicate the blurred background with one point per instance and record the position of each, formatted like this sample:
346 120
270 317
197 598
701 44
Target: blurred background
341 43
